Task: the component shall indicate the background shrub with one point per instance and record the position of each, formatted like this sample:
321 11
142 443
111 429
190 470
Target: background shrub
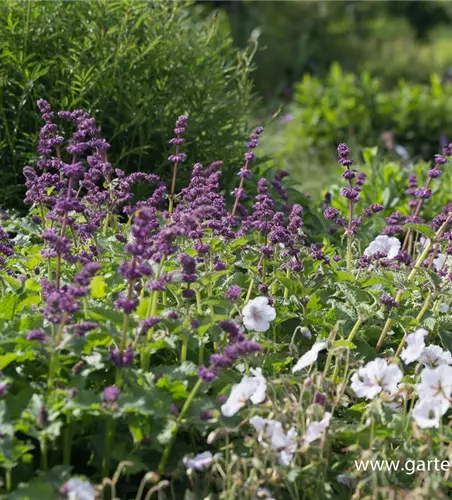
135 65
357 109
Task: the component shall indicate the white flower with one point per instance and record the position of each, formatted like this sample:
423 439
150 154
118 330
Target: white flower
415 346
309 357
444 308
272 432
249 388
375 377
383 244
76 489
435 382
428 412
202 461
257 314
315 430
438 263
434 356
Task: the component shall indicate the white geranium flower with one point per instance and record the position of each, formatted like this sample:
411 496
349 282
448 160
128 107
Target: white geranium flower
383 244
315 430
309 357
428 412
434 355
257 314
415 346
76 489
438 263
444 308
273 433
202 461
249 388
375 377
435 382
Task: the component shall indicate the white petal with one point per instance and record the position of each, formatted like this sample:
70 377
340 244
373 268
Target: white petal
415 346
384 244
315 430
438 263
428 412
309 357
200 462
434 355
444 308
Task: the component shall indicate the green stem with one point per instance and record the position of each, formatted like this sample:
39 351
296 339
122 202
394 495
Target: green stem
27 27
173 188
184 349
109 439
55 352
286 290
248 293
185 408
8 479
355 328
349 253
43 445
67 450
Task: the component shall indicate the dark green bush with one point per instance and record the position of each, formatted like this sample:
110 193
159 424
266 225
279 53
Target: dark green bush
135 65
396 39
344 107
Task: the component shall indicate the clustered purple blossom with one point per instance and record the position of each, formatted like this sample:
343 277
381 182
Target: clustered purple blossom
238 347
389 301
111 394
64 301
82 193
6 246
122 359
233 293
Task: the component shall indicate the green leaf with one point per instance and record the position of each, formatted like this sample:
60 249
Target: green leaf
446 339
32 285
100 313
7 306
344 343
98 287
424 229
166 435
14 283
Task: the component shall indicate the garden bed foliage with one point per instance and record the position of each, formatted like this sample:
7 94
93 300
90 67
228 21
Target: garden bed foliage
179 346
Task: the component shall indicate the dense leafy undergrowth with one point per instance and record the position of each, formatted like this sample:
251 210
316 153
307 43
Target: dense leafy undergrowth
176 347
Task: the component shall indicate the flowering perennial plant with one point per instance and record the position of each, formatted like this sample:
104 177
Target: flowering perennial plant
236 350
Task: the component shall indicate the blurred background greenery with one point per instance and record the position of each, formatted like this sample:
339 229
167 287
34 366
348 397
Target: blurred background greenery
315 73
